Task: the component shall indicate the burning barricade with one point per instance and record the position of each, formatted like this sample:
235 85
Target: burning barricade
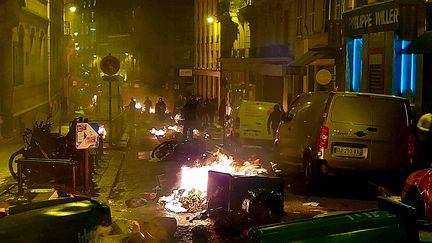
227 189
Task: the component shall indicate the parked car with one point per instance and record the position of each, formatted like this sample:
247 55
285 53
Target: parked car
247 123
339 132
417 192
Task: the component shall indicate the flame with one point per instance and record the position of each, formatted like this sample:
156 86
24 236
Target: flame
102 131
177 118
158 132
192 193
176 128
138 106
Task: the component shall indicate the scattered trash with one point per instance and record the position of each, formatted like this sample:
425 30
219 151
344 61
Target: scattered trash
311 204
148 195
136 202
319 211
122 210
143 155
122 230
200 234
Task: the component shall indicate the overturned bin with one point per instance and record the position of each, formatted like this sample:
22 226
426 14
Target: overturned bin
391 222
58 220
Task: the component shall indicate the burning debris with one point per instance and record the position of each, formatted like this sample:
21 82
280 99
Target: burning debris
163 131
191 196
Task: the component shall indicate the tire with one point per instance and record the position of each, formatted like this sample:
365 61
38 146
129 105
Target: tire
414 199
163 150
13 165
310 170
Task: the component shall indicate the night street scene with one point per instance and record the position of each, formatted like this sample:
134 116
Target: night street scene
215 121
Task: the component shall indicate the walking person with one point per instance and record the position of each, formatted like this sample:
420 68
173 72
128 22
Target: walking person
131 109
160 109
222 112
204 113
189 114
147 105
274 119
212 110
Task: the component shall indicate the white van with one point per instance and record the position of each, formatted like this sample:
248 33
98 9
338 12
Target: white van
247 122
336 132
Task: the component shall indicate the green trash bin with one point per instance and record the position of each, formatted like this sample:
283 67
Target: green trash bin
390 222
60 220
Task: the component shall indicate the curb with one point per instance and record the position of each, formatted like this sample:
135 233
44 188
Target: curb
111 175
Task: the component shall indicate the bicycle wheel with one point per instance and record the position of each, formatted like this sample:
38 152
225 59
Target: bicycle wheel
13 165
163 150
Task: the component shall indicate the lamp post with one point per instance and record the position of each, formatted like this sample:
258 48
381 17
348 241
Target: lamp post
110 65
69 9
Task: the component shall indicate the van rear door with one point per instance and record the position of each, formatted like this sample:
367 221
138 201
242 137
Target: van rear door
350 117
253 117
391 128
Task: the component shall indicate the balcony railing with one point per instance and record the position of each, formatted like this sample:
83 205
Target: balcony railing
259 52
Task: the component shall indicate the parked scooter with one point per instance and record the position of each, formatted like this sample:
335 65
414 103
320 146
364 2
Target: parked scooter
181 151
42 143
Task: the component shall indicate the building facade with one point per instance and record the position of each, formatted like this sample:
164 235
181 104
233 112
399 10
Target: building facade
207 45
375 35
30 79
267 50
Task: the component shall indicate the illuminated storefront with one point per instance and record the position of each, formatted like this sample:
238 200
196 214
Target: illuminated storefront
375 36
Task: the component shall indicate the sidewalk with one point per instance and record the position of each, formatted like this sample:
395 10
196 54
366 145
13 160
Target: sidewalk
106 170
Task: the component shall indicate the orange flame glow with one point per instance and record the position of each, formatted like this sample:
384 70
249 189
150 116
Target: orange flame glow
190 186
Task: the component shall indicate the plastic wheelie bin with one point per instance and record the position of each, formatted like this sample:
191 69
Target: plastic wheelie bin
391 222
60 220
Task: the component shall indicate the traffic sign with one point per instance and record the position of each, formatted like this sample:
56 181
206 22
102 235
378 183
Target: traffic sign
110 65
87 135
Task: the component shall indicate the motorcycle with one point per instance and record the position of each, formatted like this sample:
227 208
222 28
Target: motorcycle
181 151
42 143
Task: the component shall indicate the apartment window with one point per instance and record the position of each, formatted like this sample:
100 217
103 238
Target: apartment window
359 3
354 63
349 4
299 20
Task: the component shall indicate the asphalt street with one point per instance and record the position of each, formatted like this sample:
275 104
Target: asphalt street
128 180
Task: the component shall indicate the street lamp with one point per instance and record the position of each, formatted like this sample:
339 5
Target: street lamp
210 19
72 9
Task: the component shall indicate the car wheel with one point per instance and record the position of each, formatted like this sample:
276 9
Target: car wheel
414 199
310 170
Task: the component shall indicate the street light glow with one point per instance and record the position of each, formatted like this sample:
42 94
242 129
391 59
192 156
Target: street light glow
72 9
126 53
75 33
210 19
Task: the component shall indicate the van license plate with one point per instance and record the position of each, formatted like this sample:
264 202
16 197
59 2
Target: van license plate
349 151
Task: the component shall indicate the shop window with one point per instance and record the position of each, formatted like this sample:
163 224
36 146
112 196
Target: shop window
354 63
404 69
